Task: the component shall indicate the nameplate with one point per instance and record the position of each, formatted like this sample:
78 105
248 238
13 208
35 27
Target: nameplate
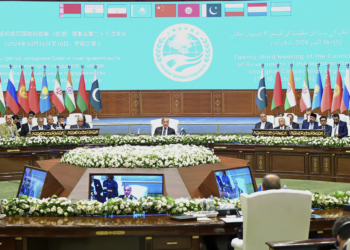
47 133
287 148
270 132
13 150
110 232
67 132
219 147
289 132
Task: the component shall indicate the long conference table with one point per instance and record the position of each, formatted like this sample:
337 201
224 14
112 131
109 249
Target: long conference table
288 161
151 232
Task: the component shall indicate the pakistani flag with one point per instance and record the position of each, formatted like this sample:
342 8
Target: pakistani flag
291 96
69 99
261 98
95 96
2 100
305 101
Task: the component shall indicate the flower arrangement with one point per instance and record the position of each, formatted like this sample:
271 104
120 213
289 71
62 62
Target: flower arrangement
168 156
329 142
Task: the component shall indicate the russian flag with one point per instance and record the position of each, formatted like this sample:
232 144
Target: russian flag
346 92
257 9
11 97
234 9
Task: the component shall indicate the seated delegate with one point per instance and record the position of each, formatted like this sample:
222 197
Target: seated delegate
281 123
324 126
293 125
164 129
8 129
41 125
263 124
312 124
80 124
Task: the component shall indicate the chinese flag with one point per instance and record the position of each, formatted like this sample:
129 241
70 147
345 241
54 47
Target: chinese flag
338 92
33 97
277 92
326 102
22 95
165 10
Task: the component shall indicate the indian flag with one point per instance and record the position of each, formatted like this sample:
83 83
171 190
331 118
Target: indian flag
69 99
94 10
2 100
305 101
291 96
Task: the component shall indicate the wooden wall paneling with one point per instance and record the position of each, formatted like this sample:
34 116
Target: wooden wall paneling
326 165
287 163
155 103
344 162
260 162
176 102
116 103
12 166
217 102
135 103
239 102
197 103
314 164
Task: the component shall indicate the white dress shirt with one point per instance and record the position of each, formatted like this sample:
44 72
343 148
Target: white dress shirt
262 126
166 131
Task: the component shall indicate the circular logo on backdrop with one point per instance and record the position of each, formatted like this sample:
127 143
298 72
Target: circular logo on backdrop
182 52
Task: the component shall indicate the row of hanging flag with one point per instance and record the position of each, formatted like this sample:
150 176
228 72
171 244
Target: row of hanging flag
28 100
322 97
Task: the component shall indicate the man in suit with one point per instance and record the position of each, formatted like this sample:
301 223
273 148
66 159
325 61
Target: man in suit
110 187
40 125
341 232
236 191
127 193
263 124
165 129
96 189
8 129
340 128
280 115
293 125
60 122
80 124
308 113
15 119
324 126
281 123
312 124
50 123
27 127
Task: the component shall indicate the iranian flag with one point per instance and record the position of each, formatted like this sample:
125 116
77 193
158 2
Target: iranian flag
305 101
57 96
69 99
2 100
291 96
82 101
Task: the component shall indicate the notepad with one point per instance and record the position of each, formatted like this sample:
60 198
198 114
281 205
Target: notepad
203 219
232 220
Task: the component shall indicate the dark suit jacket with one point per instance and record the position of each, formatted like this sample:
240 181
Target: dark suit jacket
295 125
327 128
24 130
158 131
98 186
76 127
307 124
61 126
342 130
86 125
18 124
285 127
44 127
268 125
53 124
131 197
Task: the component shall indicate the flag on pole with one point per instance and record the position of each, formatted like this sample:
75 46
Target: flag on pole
261 98
69 99
33 96
22 95
95 96
82 101
291 96
2 101
338 92
277 99
57 96
305 101
11 97
44 102
326 102
318 91
346 93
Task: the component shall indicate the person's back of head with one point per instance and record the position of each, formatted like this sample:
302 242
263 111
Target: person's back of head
271 181
341 232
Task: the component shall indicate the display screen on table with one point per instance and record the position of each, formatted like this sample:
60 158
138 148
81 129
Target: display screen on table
32 182
106 186
174 45
232 183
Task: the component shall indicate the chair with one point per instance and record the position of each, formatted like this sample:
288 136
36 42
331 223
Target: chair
270 118
158 122
276 124
75 115
71 121
138 191
330 122
295 117
274 215
344 118
2 120
54 119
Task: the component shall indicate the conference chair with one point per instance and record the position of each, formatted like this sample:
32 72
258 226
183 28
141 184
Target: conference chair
317 117
344 118
276 124
54 119
75 115
88 120
71 120
174 124
274 215
2 120
295 117
330 122
270 118
34 121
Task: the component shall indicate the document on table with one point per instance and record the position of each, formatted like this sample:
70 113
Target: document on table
203 219
232 219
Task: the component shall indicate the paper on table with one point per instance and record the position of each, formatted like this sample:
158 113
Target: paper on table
232 220
203 219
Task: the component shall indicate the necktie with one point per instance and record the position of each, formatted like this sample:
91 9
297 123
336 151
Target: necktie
281 127
323 127
164 131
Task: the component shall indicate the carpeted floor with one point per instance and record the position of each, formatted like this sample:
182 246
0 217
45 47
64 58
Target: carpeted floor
10 188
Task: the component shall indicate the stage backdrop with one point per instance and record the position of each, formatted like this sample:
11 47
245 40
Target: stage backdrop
174 46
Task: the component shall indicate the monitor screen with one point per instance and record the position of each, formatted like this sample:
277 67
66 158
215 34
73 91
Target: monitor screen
106 186
233 182
32 182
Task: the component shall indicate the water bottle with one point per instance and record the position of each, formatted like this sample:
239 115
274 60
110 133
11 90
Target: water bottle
138 132
285 187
